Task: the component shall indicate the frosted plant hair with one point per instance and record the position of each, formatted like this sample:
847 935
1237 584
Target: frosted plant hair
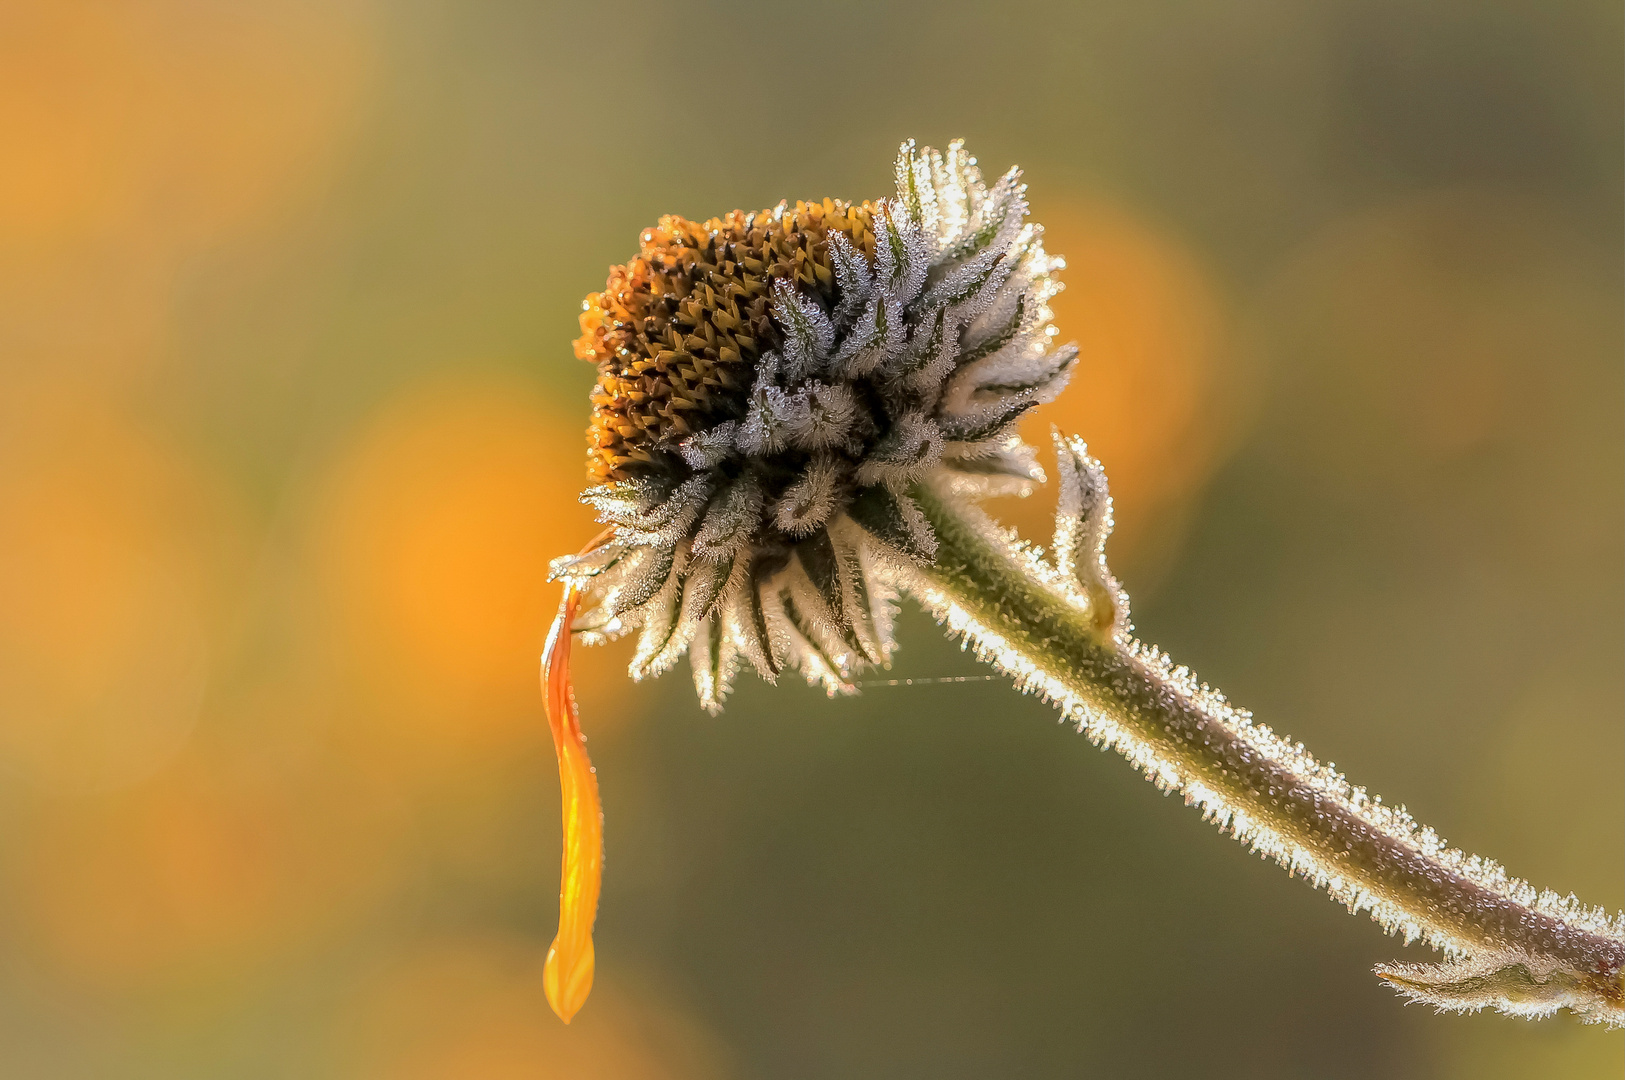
797 414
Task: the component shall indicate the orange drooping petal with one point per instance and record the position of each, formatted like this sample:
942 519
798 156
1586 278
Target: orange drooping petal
567 975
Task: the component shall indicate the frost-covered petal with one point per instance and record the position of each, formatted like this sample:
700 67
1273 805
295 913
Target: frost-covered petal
649 575
915 191
956 179
996 218
588 564
852 279
902 255
904 454
880 335
766 429
731 519
711 447
1023 373
628 501
988 470
824 418
660 615
808 333
706 655
993 420
810 500
896 521
673 519
966 281
812 646
745 619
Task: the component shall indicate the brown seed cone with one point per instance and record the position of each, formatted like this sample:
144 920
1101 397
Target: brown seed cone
678 329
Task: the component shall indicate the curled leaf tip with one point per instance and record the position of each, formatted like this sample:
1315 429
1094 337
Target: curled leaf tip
567 974
1514 983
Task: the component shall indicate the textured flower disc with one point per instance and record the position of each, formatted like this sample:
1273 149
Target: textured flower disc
771 387
677 332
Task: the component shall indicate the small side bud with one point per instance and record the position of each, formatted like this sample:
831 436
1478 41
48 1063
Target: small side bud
1083 522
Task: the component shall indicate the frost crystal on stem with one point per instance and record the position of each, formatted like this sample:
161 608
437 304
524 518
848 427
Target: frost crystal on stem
797 412
1530 952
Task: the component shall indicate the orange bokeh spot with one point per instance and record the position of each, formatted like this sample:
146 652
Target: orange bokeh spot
436 536
166 116
1429 321
198 875
1147 393
475 1010
110 594
166 878
133 135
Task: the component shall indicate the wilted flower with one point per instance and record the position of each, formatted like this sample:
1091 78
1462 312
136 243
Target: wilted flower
772 384
770 387
796 411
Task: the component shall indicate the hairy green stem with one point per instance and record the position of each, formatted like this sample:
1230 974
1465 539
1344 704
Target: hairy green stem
1269 793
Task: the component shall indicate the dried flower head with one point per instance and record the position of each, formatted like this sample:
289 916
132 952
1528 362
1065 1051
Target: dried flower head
770 387
795 411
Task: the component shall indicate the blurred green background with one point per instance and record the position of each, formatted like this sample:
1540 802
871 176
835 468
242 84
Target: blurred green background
289 427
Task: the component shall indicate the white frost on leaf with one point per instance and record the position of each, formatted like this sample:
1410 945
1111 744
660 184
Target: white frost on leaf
1513 983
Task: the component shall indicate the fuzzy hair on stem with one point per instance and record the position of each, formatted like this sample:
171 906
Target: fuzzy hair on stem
1508 946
